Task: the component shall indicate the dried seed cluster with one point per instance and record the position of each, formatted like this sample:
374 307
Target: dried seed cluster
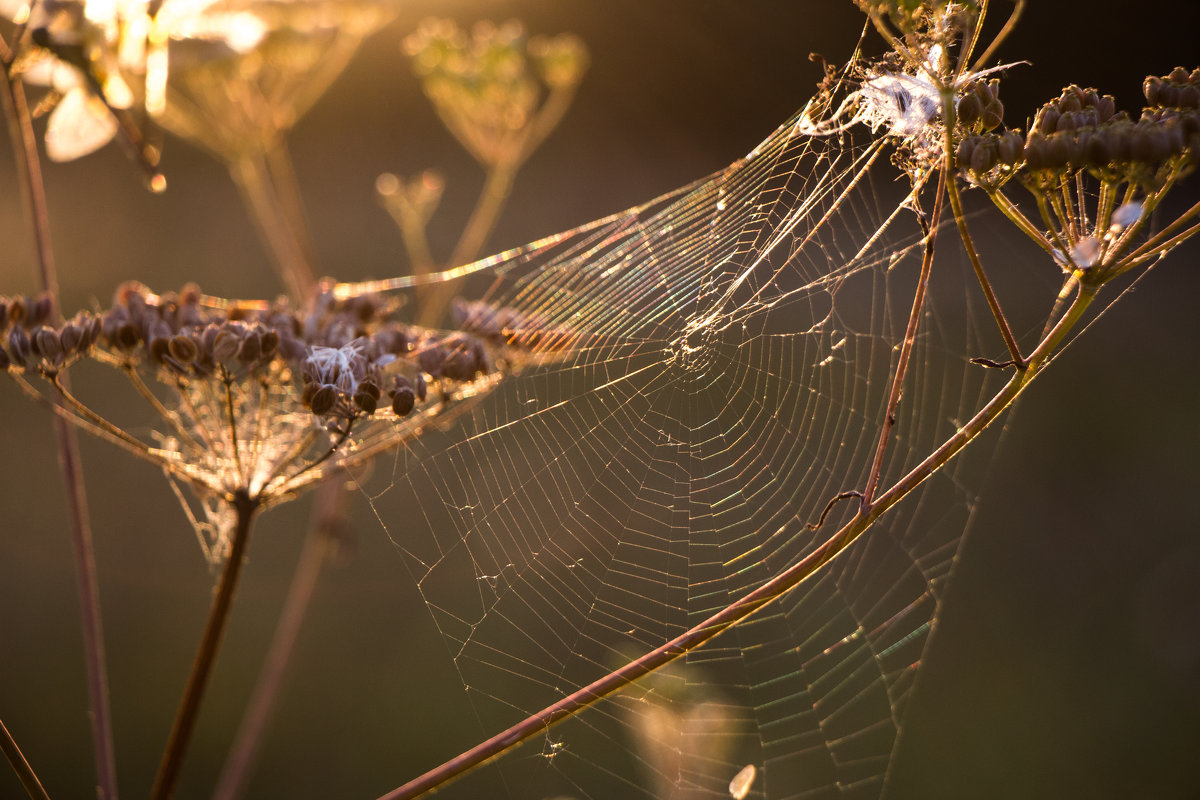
1082 130
254 396
29 339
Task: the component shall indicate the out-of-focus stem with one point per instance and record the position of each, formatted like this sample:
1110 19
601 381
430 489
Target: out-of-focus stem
29 178
206 655
21 766
328 527
285 244
495 192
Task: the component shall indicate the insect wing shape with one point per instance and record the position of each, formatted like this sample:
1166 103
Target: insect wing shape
79 125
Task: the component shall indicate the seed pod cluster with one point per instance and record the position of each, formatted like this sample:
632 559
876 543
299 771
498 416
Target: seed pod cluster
28 339
1081 130
174 332
1180 89
979 108
508 327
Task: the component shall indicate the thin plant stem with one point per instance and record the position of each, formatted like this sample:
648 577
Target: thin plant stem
206 655
253 178
496 190
910 337
33 193
327 529
282 174
25 773
1014 214
1011 23
956 208
765 594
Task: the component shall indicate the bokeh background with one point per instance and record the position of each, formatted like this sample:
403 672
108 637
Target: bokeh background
1067 658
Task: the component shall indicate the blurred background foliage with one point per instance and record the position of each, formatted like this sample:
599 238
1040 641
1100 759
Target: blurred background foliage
1067 659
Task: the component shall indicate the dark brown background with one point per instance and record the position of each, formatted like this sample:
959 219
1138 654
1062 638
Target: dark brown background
1068 658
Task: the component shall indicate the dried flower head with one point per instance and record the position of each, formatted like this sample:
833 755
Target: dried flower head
484 88
258 400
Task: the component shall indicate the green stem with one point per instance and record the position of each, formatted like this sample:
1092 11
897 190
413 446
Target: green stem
206 654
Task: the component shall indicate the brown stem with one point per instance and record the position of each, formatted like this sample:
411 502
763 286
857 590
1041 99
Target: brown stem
206 654
253 178
33 193
20 766
910 337
496 190
765 594
1001 36
1010 341
328 527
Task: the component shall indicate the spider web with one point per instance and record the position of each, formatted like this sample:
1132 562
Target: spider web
716 368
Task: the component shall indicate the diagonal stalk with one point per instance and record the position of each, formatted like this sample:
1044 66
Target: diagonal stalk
33 194
25 773
910 336
206 655
769 591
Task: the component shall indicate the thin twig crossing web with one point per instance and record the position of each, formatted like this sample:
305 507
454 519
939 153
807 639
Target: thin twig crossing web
714 367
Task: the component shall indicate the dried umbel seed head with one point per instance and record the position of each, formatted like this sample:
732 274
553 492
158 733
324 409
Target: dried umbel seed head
183 349
403 401
16 311
71 337
250 349
970 109
1010 148
323 400
465 358
366 401
19 348
40 310
46 343
225 344
1180 89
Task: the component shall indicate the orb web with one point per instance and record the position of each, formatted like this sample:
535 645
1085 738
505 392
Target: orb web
714 369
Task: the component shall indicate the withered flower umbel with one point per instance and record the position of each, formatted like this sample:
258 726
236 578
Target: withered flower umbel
258 400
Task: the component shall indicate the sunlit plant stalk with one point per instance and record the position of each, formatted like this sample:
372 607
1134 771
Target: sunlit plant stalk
210 643
33 195
29 780
328 527
1082 282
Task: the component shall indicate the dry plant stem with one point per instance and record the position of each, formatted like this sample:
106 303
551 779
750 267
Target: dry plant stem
253 178
1010 341
328 526
287 189
29 177
768 592
496 190
21 766
1006 206
206 654
910 336
1011 23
